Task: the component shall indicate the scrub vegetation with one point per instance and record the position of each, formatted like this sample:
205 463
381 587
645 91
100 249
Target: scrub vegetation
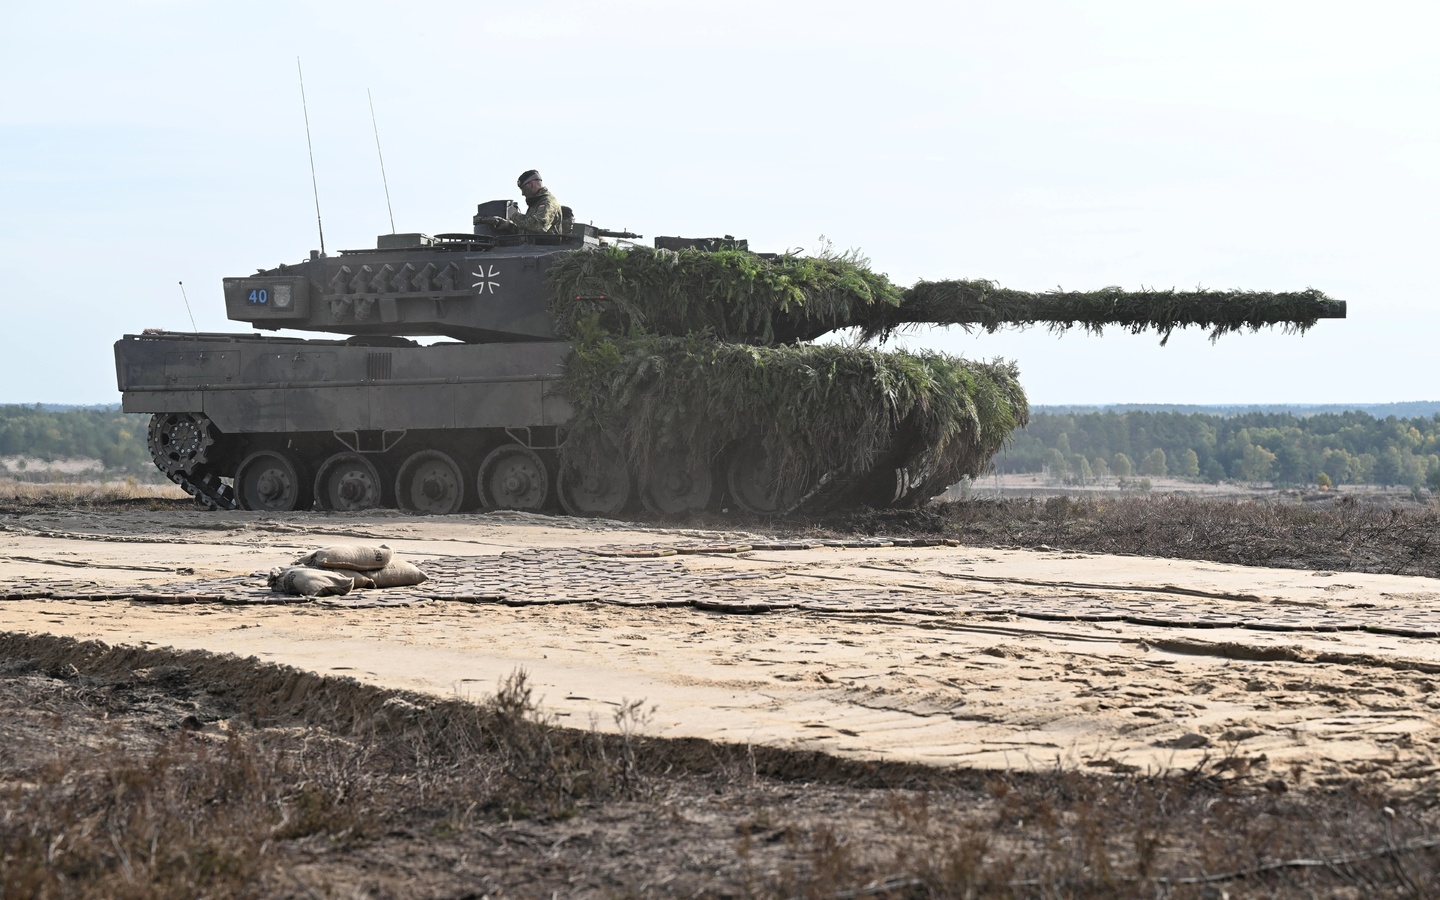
1340 534
150 773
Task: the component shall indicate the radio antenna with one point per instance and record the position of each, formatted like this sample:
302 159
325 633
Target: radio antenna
193 326
313 182
382 161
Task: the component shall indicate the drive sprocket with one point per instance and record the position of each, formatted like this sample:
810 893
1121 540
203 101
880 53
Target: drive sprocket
179 442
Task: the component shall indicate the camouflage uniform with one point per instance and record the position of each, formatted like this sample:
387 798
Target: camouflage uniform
542 215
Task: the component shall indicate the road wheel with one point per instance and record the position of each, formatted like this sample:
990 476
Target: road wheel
750 478
430 482
272 481
672 485
599 490
348 482
514 477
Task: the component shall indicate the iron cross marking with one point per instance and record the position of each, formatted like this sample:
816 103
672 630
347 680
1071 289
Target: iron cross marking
487 282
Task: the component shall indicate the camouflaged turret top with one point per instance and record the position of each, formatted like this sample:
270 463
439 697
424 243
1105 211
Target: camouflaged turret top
542 215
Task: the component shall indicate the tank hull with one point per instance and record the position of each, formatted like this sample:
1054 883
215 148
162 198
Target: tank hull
276 385
280 424
219 400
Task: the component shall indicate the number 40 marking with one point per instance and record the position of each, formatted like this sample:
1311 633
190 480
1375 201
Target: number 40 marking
259 295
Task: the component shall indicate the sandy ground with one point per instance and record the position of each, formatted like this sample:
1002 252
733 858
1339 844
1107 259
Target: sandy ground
973 660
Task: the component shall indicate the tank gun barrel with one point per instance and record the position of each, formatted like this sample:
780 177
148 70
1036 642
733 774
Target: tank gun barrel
986 305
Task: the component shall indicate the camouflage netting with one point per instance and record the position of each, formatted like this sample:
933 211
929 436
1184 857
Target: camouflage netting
817 410
747 297
733 294
989 306
690 351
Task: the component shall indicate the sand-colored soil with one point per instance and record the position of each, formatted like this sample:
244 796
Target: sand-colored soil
945 655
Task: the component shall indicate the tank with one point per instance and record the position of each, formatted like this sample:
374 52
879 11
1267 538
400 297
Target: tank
586 371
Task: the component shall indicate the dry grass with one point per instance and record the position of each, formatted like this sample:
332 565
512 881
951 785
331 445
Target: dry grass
1347 535
132 773
86 493
167 781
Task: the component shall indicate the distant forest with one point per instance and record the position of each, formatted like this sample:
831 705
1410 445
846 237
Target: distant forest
1281 448
1075 445
1414 409
52 433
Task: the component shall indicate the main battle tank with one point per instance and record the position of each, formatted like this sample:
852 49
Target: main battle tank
585 369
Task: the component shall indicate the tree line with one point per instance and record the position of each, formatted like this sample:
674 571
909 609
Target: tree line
1333 448
48 434
1079 448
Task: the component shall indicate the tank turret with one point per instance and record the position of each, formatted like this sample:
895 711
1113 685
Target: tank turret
479 287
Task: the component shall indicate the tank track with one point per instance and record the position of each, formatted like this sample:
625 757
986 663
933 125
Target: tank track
207 489
182 444
179 445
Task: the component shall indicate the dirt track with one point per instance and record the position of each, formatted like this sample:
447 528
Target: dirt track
938 654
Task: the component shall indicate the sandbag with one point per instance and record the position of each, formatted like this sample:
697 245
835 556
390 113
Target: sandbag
359 557
303 581
398 574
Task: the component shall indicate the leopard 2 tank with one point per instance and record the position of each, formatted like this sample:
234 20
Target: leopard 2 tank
585 371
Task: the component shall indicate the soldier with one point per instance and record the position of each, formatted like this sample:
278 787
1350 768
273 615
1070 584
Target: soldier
542 214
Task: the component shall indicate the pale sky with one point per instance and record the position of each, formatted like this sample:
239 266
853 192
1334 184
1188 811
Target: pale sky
1266 146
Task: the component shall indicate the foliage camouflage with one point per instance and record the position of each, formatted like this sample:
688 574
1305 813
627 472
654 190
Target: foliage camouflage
744 296
691 350
824 409
989 306
734 295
